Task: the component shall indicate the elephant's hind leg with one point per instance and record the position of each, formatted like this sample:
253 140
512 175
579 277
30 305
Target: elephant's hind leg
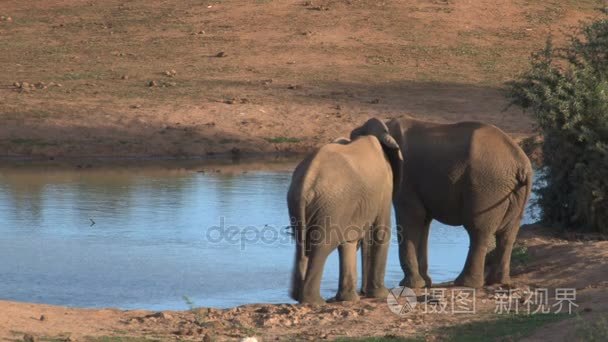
501 269
348 272
311 291
472 274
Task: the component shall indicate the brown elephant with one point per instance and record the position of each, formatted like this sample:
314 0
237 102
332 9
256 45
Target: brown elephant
339 196
470 174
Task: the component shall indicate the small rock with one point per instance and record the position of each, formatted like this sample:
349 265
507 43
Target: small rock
24 85
235 151
42 318
16 84
152 84
29 338
207 338
221 54
160 314
375 101
229 101
124 77
185 332
292 86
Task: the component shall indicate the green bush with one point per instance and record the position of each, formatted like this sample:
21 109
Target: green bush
566 90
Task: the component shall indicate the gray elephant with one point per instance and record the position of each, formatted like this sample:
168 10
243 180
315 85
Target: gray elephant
470 174
340 196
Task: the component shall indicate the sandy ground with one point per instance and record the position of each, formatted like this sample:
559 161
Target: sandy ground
192 78
553 262
148 78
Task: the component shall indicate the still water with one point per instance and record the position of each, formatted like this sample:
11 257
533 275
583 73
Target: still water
150 237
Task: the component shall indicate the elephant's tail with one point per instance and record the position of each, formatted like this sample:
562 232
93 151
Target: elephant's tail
525 178
298 224
520 196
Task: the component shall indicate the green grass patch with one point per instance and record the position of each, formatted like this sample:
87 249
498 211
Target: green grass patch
519 255
505 327
282 140
31 142
593 330
387 338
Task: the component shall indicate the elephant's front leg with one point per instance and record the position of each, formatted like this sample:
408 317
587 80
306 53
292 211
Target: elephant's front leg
423 253
411 218
347 290
381 237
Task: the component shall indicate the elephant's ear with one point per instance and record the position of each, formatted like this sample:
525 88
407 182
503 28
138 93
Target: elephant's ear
390 146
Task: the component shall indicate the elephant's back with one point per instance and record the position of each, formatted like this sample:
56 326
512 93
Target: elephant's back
458 161
341 183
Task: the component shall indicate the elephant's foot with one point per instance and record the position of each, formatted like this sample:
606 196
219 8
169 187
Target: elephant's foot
469 281
378 292
415 282
427 280
347 296
314 300
498 278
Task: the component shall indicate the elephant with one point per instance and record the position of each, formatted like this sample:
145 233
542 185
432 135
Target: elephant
340 196
467 174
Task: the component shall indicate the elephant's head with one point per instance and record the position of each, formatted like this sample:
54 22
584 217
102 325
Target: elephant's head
377 128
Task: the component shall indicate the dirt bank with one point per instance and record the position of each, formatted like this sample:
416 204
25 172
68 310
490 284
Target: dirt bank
195 78
550 262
